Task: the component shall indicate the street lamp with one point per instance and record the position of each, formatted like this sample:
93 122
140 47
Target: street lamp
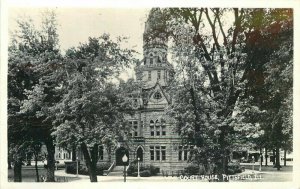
138 166
253 160
124 159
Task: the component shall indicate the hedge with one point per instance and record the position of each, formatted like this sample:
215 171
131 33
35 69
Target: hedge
72 169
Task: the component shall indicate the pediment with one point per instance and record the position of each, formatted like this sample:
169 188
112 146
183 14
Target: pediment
157 96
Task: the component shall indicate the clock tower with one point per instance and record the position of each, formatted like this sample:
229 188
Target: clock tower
154 71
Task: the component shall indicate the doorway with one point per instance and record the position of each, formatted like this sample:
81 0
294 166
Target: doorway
140 153
119 154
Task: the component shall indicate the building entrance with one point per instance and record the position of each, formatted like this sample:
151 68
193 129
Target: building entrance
119 154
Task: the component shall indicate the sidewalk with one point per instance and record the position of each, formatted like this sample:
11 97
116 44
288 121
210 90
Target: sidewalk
246 176
85 178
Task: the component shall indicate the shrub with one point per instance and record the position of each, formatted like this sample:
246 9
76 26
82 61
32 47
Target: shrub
72 168
192 169
133 169
145 173
153 170
234 167
230 171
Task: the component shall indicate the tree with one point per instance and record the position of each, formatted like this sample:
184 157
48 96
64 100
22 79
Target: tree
93 107
279 85
211 47
33 61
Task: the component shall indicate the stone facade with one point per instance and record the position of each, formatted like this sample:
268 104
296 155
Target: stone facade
154 139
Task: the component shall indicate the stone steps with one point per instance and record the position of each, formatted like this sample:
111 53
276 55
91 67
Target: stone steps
117 171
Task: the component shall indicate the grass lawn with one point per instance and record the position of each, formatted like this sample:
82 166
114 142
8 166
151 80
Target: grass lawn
29 175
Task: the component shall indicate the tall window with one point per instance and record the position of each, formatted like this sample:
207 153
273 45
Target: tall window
135 127
163 127
152 152
151 59
180 153
158 75
149 75
163 153
158 153
152 128
183 152
157 128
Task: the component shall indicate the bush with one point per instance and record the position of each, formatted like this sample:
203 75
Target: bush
234 167
72 168
145 173
152 169
133 169
101 167
192 169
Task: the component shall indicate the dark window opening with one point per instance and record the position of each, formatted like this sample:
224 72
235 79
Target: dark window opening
163 153
151 152
157 95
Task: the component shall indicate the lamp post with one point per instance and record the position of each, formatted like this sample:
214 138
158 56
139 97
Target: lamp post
124 159
77 166
253 160
138 166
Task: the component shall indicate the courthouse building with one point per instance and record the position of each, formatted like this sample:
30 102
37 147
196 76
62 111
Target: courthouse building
153 138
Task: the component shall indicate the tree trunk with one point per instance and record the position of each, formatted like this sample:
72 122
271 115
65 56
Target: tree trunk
284 158
260 156
274 159
50 160
89 163
109 154
36 168
277 165
74 153
28 159
18 171
9 163
266 157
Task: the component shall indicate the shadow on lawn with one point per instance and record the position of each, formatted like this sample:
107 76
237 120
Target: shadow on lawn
29 175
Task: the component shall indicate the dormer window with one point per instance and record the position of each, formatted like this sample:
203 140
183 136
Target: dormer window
151 59
158 75
158 59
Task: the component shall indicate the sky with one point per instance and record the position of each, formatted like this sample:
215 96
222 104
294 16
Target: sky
76 25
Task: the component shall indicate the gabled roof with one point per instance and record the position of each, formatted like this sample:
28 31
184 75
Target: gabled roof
157 85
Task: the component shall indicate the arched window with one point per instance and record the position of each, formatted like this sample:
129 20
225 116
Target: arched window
152 128
163 127
140 153
151 59
157 128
